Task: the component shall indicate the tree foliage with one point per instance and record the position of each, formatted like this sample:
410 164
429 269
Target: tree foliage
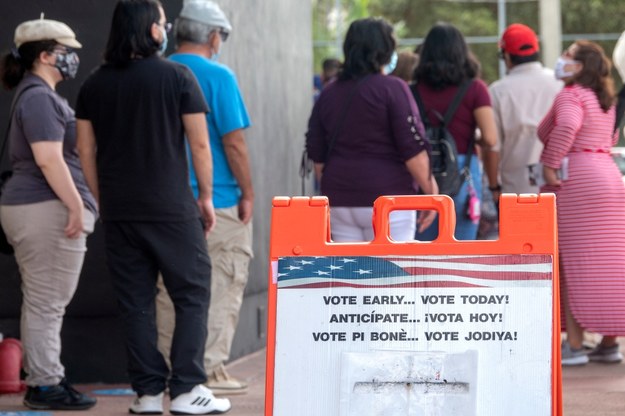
413 19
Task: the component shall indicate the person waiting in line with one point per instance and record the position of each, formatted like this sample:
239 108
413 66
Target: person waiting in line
579 128
520 101
406 64
133 113
46 208
445 64
366 138
200 31
330 68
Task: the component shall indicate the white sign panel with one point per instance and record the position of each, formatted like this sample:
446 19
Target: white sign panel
426 335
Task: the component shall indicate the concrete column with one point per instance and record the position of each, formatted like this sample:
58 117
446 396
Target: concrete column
501 25
550 18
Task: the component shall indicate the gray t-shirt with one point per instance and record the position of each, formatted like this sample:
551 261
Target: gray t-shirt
41 115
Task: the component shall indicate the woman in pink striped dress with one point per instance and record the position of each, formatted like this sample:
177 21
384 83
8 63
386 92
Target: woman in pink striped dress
590 202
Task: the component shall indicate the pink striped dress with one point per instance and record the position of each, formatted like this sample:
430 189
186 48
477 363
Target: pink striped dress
591 209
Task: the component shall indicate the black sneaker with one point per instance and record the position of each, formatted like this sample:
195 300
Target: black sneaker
59 397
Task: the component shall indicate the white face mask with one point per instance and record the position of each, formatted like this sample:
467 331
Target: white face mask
163 46
560 73
390 67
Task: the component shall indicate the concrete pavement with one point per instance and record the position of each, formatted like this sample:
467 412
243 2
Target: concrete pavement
250 368
590 390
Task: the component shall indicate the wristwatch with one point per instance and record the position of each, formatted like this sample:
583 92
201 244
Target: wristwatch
496 188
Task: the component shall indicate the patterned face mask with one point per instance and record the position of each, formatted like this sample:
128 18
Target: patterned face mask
67 64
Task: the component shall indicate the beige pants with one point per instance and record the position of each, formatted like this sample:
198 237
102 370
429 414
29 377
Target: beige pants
50 266
230 250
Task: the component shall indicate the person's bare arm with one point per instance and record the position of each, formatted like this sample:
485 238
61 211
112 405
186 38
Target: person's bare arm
551 176
49 157
318 169
86 145
196 131
237 154
491 168
419 168
485 120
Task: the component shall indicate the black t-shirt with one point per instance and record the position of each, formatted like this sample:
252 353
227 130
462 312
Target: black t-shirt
136 113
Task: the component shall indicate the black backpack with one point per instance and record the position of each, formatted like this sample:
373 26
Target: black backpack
444 159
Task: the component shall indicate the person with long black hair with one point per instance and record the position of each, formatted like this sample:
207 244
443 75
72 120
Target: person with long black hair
133 114
46 208
445 65
366 138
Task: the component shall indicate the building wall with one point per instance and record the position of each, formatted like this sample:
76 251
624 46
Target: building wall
270 50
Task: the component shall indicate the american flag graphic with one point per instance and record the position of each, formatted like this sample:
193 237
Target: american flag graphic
488 271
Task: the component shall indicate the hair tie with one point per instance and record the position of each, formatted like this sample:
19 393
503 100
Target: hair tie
15 53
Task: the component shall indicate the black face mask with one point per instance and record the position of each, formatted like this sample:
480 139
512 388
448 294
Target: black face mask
67 64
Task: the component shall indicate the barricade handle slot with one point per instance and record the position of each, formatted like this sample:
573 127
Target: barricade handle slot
442 204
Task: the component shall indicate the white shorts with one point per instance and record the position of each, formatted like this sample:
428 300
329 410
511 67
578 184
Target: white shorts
355 224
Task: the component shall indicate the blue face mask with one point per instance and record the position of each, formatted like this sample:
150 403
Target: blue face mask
163 46
390 67
215 55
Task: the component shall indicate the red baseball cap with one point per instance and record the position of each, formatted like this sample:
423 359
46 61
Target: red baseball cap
519 40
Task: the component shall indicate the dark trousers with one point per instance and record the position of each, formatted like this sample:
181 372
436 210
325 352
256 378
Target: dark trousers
136 252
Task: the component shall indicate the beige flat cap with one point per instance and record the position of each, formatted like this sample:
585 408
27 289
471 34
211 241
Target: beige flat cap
45 29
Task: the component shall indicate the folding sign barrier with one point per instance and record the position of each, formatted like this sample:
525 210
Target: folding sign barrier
464 328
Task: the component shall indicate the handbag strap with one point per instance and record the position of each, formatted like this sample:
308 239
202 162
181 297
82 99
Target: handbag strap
339 126
451 110
420 105
11 111
450 113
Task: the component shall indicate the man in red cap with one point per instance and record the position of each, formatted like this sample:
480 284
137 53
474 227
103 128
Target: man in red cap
520 100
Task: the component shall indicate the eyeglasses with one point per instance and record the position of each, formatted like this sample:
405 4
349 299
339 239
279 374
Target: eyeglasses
500 53
62 49
167 26
223 34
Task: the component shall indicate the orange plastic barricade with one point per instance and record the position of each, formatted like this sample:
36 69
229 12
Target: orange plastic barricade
436 328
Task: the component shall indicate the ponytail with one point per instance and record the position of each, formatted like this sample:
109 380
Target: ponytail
20 60
12 70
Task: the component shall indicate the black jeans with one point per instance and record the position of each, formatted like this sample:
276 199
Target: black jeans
136 252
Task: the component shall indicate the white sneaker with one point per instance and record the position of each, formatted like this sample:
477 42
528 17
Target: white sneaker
147 405
571 356
199 401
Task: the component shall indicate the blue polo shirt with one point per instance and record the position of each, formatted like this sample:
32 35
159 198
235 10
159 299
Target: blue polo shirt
227 113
